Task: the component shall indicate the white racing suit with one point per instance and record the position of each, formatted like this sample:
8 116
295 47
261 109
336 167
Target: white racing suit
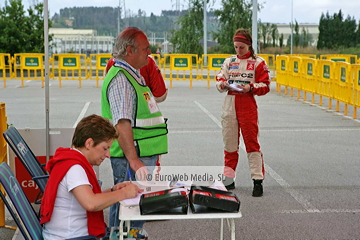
240 114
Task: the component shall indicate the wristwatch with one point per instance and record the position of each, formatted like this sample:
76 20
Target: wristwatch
251 88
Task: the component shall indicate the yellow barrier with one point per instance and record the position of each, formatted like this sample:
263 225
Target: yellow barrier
310 77
69 67
29 66
304 55
295 79
326 76
97 64
157 58
339 81
3 127
181 62
352 59
3 158
79 67
211 62
5 66
270 60
282 73
355 73
342 86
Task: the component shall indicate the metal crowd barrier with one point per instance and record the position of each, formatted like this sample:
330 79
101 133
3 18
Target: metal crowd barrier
334 80
5 67
174 67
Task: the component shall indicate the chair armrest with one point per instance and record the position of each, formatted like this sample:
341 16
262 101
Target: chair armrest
40 177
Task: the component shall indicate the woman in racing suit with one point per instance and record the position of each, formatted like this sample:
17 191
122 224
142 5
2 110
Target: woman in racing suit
242 76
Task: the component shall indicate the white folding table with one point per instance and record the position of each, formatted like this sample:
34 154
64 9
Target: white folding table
132 213
127 214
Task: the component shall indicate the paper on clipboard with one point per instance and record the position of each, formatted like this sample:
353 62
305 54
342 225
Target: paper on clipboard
131 201
235 87
136 200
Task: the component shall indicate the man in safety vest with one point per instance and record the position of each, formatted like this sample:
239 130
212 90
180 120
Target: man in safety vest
132 107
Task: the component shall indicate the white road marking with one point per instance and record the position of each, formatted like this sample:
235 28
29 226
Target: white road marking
324 211
209 114
296 195
82 113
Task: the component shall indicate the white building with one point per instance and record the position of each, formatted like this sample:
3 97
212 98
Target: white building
68 40
310 28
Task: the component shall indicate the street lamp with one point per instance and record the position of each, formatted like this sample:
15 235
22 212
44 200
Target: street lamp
292 26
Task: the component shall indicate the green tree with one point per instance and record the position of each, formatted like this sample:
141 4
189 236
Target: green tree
274 34
304 38
335 32
21 33
323 33
297 35
233 15
358 36
153 18
187 38
35 29
265 33
281 40
349 31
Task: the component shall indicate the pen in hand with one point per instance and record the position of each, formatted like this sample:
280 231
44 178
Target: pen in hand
129 175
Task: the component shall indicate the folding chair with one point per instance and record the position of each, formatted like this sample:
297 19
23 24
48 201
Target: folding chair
18 205
20 208
27 158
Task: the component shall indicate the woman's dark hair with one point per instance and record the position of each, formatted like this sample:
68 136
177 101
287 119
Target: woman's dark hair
96 127
247 34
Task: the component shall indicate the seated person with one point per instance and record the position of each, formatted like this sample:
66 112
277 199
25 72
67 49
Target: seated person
73 203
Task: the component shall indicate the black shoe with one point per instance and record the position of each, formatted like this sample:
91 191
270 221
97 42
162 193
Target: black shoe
229 183
231 186
258 189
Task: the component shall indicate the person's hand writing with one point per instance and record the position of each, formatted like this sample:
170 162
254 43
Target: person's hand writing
120 186
131 190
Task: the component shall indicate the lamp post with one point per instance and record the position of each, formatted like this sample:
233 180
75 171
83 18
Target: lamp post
205 34
292 26
254 31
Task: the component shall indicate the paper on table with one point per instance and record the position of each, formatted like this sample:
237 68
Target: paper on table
136 200
235 87
132 201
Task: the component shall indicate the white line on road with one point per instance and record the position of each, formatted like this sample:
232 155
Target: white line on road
209 114
297 196
324 211
331 110
276 130
82 114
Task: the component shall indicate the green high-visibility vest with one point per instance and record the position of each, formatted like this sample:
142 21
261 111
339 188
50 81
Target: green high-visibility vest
150 128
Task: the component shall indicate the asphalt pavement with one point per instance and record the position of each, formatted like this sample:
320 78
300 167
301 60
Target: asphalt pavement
312 157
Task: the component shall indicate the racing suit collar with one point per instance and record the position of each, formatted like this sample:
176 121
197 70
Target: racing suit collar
244 56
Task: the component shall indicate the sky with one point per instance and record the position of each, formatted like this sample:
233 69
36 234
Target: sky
274 11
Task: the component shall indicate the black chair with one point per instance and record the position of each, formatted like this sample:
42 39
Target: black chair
27 158
20 208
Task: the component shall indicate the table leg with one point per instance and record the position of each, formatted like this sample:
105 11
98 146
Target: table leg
232 228
221 228
121 230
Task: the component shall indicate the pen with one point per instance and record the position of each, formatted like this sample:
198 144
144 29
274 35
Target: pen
129 175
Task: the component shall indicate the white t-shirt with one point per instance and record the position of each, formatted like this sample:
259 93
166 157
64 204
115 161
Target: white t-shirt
69 218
